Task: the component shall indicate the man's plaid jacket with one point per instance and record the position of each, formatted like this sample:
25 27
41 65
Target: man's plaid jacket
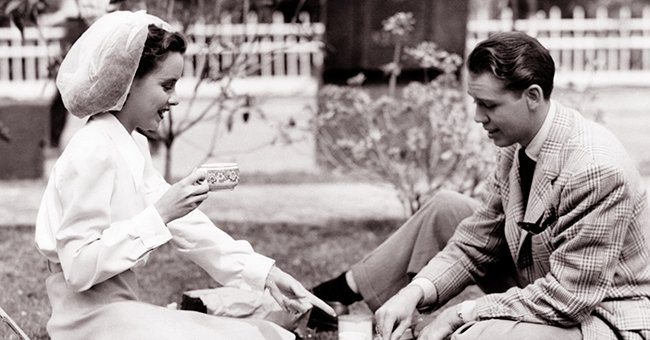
581 255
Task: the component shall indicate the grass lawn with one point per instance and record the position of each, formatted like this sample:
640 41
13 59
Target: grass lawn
310 253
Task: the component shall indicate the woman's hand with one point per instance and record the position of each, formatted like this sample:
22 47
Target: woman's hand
291 295
395 316
182 197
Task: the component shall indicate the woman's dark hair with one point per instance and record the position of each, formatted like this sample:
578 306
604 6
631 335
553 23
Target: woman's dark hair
159 42
516 59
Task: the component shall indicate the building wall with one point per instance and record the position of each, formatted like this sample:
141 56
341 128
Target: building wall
355 41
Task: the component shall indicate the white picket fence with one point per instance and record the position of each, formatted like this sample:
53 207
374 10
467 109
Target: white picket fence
610 49
271 52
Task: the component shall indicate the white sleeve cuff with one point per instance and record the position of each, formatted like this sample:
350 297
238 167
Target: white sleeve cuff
151 229
427 287
256 271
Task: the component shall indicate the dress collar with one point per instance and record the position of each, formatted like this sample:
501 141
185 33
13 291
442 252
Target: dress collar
125 142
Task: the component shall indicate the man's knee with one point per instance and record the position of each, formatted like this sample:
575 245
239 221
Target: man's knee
445 200
445 210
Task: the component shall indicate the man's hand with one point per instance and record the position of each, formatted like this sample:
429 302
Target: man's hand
443 326
291 295
395 316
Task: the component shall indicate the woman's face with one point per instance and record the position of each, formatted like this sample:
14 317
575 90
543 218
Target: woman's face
152 95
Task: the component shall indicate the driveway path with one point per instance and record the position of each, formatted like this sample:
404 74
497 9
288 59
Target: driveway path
314 204
311 203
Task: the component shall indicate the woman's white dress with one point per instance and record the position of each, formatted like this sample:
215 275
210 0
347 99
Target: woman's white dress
97 222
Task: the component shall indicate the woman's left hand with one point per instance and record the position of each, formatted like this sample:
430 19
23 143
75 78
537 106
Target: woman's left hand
291 295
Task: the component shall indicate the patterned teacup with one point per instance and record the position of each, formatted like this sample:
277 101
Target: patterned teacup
221 176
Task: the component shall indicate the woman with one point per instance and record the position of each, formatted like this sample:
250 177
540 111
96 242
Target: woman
106 208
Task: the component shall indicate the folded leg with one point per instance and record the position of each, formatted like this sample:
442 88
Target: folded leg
388 268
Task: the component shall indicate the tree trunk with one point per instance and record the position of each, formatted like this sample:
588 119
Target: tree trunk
392 82
533 7
246 8
170 10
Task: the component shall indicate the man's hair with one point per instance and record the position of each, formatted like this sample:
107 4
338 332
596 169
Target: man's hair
158 44
516 59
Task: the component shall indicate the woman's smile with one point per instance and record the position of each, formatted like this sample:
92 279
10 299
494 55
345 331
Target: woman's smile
162 112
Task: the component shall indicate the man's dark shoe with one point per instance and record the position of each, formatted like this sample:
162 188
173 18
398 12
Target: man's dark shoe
323 322
194 303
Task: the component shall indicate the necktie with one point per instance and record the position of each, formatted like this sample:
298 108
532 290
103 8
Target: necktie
526 171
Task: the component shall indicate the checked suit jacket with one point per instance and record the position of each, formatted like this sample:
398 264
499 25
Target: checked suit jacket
583 258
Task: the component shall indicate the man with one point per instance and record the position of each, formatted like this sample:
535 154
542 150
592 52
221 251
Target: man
561 244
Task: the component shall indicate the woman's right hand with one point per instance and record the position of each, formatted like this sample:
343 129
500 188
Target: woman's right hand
183 197
291 295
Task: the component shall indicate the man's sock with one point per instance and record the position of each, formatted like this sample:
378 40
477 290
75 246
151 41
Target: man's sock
337 289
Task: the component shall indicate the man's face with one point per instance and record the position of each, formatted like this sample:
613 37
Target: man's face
504 114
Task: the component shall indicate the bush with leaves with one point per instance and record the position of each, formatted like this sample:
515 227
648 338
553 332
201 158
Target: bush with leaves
22 12
19 12
420 141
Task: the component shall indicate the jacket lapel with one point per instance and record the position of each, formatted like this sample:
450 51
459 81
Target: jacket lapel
514 209
542 199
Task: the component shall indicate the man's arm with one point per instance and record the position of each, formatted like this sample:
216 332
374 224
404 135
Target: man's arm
595 211
452 263
478 241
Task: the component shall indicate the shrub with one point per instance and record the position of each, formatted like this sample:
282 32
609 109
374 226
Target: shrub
420 141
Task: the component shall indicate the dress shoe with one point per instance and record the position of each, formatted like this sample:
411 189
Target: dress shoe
323 322
193 303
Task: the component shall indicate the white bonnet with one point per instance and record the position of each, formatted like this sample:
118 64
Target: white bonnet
96 74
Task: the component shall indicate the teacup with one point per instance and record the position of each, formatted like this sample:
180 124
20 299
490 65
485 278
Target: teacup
220 176
355 327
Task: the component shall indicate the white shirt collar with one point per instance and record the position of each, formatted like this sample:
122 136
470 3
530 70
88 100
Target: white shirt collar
534 148
128 148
